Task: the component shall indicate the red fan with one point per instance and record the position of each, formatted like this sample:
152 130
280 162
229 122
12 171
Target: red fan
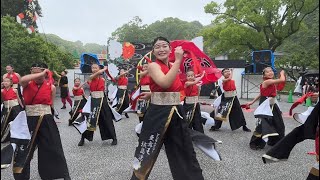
245 106
128 50
195 59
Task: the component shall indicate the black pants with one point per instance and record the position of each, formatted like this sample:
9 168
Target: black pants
51 160
123 100
267 126
236 117
194 116
8 115
105 122
165 123
78 105
284 147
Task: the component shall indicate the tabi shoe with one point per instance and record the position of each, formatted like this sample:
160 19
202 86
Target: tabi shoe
268 159
81 143
114 142
213 128
126 114
246 129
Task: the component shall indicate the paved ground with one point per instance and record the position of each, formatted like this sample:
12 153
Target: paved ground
99 160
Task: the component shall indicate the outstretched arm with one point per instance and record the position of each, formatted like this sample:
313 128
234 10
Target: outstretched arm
27 78
196 81
254 100
98 73
55 72
269 82
123 74
79 87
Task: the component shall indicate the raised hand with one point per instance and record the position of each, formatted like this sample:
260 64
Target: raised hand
178 53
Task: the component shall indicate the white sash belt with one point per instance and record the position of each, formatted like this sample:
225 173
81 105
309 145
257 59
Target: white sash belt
165 98
97 94
38 110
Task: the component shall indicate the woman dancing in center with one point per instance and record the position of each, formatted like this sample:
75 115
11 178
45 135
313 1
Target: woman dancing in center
164 121
270 128
101 114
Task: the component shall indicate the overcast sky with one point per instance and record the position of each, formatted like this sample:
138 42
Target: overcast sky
93 21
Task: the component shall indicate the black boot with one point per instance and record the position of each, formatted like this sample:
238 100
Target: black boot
64 107
213 128
70 123
126 114
114 142
246 129
81 143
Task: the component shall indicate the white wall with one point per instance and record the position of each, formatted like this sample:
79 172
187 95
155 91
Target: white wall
222 57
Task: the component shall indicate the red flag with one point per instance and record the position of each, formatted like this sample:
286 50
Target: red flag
197 60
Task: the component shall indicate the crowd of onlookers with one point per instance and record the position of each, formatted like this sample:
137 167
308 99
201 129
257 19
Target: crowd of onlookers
307 84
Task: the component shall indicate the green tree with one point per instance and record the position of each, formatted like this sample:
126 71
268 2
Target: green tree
171 28
302 49
22 49
94 48
174 28
14 7
133 31
11 8
73 47
246 25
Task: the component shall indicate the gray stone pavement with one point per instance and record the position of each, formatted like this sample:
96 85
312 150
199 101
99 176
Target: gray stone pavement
99 160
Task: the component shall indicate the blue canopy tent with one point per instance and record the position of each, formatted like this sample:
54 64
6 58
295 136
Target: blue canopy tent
86 60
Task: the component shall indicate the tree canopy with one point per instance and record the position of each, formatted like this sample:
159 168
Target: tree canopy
246 25
21 49
171 28
14 7
301 49
75 48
